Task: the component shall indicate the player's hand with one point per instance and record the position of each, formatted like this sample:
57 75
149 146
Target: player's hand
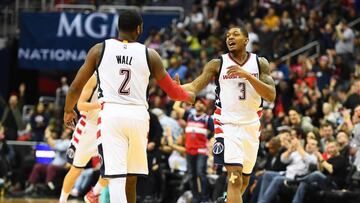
192 97
70 119
177 79
237 71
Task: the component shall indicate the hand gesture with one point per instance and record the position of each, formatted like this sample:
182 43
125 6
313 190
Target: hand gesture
237 71
192 95
70 119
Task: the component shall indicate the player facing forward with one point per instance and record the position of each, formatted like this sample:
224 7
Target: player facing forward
242 80
123 67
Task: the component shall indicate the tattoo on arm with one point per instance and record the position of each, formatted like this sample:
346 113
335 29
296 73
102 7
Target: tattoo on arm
265 72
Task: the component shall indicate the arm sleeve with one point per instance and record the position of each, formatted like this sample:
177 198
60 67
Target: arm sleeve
173 90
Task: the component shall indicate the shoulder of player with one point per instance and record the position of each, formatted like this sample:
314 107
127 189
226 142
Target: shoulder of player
95 52
264 65
213 65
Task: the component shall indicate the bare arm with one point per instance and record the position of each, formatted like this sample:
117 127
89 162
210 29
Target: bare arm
211 69
265 85
156 66
83 75
178 109
172 89
86 93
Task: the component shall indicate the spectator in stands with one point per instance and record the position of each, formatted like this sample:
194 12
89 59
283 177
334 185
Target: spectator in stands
330 115
198 131
39 120
11 117
332 173
271 20
50 171
272 163
326 134
297 120
168 122
345 39
298 161
353 99
253 37
342 138
61 93
177 67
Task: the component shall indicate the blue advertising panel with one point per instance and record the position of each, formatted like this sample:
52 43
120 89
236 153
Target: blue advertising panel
60 41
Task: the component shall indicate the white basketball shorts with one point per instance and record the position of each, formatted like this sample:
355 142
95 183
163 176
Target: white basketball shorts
237 145
122 140
83 143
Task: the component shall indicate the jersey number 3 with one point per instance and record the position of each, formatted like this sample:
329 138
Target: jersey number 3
124 90
242 87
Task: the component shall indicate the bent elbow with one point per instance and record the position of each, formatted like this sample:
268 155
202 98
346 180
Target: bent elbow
271 97
80 106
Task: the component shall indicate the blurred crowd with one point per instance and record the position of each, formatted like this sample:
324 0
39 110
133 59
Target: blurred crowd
310 136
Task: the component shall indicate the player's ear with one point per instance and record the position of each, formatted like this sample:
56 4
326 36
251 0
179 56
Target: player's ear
246 41
138 29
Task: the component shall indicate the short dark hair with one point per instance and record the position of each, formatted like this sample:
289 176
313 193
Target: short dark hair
129 20
243 31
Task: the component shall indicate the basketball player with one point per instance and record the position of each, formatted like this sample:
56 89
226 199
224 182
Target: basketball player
242 80
83 144
123 68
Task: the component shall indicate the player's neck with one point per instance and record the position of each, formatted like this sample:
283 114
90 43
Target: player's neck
126 37
240 56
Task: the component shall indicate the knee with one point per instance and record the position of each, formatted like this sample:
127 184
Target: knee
235 179
75 171
278 180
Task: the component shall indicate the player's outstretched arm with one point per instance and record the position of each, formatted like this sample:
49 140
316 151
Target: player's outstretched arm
83 103
82 76
210 70
172 89
264 86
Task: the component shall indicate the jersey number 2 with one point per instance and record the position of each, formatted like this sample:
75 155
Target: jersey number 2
123 90
242 87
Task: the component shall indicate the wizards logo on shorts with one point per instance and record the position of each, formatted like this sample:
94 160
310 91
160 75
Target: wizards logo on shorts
218 147
70 153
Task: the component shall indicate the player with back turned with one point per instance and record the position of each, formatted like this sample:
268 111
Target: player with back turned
123 68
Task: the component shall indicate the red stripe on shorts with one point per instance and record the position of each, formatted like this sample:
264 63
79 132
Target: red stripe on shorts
217 122
218 130
76 139
99 121
82 122
98 134
218 111
78 131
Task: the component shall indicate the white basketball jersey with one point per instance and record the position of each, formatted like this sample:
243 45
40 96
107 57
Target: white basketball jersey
92 115
237 101
123 73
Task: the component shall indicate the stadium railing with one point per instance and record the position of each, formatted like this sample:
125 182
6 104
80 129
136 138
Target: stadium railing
315 44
